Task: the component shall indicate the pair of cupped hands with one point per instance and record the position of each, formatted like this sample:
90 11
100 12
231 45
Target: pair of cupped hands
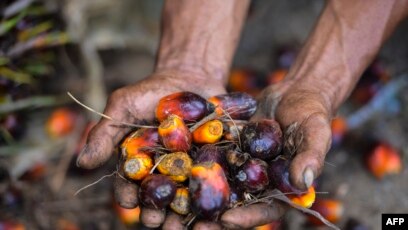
287 102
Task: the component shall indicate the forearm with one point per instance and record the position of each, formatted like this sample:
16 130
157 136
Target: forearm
345 40
200 36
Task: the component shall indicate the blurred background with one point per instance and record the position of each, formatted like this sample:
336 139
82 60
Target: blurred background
90 48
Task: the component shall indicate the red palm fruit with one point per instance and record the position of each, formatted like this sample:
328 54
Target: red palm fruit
262 139
181 202
139 141
61 122
306 199
339 128
253 176
128 216
332 210
188 106
176 165
211 153
233 129
277 76
138 166
208 133
278 172
36 172
384 160
11 225
174 134
157 191
209 190
243 81
275 225
238 105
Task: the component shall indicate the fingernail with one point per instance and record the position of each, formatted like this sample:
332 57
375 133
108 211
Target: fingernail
308 177
80 155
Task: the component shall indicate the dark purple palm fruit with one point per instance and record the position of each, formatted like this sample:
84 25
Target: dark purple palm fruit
157 191
262 139
253 176
278 172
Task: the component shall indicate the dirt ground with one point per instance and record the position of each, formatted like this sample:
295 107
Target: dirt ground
271 24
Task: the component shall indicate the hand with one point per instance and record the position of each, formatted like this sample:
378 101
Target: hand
132 104
289 103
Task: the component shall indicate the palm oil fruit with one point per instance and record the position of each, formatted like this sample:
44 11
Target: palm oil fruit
209 190
181 202
306 199
262 139
128 216
235 158
174 134
208 133
188 106
232 130
330 209
384 160
138 166
253 176
157 191
61 122
278 172
140 141
238 105
175 165
211 153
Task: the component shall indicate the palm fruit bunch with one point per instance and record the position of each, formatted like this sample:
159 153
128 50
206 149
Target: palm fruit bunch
206 156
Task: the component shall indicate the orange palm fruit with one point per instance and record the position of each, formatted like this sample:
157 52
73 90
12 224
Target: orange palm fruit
305 200
208 133
174 134
140 141
384 160
181 202
176 165
237 104
275 225
243 81
61 122
128 216
339 129
209 189
277 76
188 106
330 209
138 166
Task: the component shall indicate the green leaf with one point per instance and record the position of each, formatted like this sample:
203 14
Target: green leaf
15 76
34 31
9 24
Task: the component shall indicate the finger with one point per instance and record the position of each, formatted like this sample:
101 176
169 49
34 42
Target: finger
173 222
126 192
253 215
207 225
152 218
105 135
309 159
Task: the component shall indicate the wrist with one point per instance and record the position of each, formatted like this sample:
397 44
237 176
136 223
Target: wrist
187 64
